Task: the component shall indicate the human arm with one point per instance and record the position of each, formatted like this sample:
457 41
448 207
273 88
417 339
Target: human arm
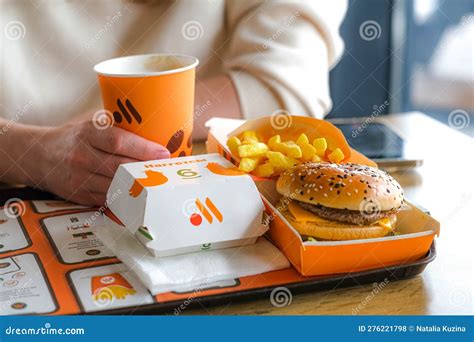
280 54
75 161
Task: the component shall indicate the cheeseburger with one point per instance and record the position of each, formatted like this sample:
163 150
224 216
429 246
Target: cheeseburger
331 201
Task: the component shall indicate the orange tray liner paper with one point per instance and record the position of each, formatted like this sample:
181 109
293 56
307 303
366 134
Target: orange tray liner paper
61 289
323 257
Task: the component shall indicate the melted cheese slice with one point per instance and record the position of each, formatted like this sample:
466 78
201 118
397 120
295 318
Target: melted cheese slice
302 215
386 222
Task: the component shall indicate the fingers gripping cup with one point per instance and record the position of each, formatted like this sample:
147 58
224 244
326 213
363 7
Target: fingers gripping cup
151 96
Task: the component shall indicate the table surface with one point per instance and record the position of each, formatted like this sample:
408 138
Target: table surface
444 185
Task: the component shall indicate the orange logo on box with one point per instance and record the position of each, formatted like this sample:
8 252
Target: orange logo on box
218 169
196 218
153 178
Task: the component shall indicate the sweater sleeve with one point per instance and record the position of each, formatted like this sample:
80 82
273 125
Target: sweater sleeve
280 54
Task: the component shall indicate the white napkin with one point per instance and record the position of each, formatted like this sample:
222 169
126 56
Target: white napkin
192 270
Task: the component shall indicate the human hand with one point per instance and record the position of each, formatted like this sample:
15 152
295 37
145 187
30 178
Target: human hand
77 161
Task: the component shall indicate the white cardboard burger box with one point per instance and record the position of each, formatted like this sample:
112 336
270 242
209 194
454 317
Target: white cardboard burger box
189 204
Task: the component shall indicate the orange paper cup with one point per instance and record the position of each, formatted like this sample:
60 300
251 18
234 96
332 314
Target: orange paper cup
152 96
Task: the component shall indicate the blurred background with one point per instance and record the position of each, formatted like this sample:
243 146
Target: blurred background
407 55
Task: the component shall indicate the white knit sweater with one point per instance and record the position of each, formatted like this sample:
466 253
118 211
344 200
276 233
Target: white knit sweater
278 53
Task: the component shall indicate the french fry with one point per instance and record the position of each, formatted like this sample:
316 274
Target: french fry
293 150
321 145
279 161
308 151
250 136
253 150
264 170
336 156
274 140
276 156
233 144
279 147
302 140
248 164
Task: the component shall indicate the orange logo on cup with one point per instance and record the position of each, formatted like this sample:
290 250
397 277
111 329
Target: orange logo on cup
196 218
127 114
153 178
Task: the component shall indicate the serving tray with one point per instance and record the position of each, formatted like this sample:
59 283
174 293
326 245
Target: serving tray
51 264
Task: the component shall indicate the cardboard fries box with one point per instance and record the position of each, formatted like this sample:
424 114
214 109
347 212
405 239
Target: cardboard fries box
189 204
417 229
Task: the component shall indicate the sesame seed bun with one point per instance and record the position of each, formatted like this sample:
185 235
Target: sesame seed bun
341 186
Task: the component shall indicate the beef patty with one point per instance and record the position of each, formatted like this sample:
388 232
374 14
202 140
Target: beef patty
348 216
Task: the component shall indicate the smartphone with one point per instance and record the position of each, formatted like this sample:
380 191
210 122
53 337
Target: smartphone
379 143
